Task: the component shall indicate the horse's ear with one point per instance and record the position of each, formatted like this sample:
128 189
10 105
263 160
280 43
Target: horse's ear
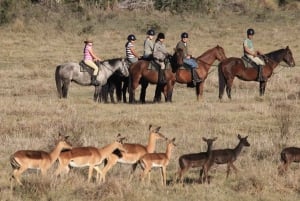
287 47
218 46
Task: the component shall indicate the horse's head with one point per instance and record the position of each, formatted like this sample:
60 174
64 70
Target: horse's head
220 53
288 57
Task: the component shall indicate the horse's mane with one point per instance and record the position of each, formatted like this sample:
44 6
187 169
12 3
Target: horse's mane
209 50
111 61
274 54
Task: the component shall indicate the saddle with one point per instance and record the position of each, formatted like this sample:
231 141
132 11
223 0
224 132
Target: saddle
248 63
155 66
87 68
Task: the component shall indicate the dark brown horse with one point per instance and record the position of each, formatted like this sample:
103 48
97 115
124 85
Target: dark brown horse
234 67
205 61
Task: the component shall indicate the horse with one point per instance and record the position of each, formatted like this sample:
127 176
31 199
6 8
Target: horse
234 67
205 61
116 82
68 72
139 73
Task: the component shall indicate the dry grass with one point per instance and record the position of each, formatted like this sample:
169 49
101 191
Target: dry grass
31 114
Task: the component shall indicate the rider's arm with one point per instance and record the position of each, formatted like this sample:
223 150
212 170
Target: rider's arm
94 55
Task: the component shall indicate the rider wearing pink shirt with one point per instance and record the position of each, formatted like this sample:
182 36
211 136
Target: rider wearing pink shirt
89 57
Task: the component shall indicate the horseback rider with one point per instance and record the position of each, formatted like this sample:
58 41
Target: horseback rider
131 54
89 58
159 54
191 62
149 45
252 54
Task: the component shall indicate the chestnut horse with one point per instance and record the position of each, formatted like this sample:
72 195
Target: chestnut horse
139 73
205 61
234 67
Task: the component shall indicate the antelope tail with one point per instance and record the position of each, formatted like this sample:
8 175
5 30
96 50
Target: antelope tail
14 163
283 157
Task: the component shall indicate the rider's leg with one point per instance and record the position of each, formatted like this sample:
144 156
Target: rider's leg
94 80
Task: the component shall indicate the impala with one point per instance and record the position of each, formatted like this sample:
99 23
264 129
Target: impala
134 152
90 157
194 160
225 156
161 160
287 156
34 159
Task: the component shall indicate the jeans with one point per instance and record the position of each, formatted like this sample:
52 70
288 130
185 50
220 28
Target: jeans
191 62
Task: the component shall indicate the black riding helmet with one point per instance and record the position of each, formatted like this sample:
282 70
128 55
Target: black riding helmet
151 32
184 35
131 37
161 36
250 32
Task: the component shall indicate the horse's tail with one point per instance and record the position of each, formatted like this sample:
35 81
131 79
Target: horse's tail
222 82
58 81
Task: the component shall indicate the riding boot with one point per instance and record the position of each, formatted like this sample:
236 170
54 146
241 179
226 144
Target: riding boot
195 77
94 80
261 78
161 77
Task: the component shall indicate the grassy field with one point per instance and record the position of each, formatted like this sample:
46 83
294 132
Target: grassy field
31 115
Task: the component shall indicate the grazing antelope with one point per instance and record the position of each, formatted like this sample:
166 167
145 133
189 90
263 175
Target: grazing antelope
90 157
161 160
223 156
194 160
287 156
34 159
134 152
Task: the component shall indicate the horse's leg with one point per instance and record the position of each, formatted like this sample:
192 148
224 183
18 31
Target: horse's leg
118 86
133 84
143 91
222 83
157 95
97 93
104 93
262 87
125 88
199 90
65 88
111 91
228 87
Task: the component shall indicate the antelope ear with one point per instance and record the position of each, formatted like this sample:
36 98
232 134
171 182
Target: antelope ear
287 47
204 139
239 136
215 138
157 129
150 126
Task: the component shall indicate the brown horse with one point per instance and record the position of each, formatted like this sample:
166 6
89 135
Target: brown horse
139 73
205 61
234 67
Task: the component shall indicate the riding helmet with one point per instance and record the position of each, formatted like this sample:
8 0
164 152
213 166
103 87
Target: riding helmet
131 37
184 35
151 32
161 36
250 32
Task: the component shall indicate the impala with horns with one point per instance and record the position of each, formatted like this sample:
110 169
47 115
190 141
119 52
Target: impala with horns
225 156
134 152
35 159
161 160
194 160
90 157
287 156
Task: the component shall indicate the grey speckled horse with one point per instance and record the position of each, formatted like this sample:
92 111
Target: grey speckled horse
68 72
